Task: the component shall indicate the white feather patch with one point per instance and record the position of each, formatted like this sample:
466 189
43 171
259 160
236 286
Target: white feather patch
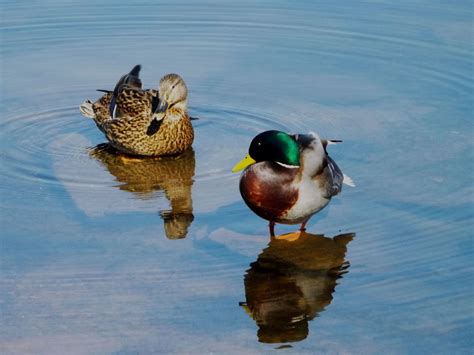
348 181
114 112
288 166
86 109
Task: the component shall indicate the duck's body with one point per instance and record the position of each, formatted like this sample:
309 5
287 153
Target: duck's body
134 132
290 178
144 122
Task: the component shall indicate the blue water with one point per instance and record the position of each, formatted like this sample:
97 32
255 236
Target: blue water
91 259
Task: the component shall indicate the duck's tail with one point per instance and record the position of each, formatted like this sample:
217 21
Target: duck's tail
135 71
348 181
87 109
131 79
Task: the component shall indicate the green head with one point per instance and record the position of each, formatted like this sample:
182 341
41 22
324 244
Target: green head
272 146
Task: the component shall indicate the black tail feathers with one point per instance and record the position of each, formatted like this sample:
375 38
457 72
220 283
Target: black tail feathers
136 70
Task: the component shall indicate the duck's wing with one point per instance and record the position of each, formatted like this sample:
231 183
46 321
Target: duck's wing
130 80
317 164
346 179
132 102
333 176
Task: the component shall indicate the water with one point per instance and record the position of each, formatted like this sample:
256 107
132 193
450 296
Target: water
104 255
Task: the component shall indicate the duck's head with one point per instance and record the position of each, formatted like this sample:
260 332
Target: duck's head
172 93
275 146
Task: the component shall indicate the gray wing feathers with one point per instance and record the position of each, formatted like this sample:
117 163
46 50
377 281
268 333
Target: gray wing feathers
335 177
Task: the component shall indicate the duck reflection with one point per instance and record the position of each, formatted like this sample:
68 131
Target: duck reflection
144 176
291 282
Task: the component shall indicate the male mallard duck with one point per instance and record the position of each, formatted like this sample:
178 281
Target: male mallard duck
144 122
288 178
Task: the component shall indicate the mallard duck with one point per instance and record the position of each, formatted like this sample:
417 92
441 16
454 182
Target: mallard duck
288 178
144 122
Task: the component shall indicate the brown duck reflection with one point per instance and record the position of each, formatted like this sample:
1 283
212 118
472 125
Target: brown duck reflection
144 176
291 282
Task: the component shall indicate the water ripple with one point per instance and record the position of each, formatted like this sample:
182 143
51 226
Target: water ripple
51 148
82 248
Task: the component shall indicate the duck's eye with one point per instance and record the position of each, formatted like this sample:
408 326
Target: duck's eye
173 87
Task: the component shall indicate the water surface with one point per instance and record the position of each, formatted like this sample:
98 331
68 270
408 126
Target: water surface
101 254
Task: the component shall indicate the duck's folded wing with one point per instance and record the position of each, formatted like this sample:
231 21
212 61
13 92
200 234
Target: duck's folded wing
329 178
132 102
131 80
317 161
335 177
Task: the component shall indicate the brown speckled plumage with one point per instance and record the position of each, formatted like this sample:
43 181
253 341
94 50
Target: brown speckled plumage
129 130
145 176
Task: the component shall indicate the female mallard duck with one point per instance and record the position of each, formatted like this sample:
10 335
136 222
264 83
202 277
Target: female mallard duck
288 178
144 122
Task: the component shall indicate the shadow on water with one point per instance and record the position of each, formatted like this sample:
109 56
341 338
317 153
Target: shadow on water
292 281
145 176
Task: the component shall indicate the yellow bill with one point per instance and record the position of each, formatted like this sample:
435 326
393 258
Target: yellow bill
241 165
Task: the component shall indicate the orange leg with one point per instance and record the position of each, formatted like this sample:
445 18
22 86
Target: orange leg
271 227
303 226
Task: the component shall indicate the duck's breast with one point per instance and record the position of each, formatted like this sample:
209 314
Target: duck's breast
269 190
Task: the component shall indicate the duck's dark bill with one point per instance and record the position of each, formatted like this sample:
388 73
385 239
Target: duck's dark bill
162 106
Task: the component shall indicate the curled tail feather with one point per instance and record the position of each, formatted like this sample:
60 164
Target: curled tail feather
348 181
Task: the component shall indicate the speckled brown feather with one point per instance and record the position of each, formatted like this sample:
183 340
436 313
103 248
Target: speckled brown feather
128 131
101 110
144 176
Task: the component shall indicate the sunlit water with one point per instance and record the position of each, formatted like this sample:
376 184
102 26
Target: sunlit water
101 254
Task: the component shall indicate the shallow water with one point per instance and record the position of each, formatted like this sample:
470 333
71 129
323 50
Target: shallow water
101 254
